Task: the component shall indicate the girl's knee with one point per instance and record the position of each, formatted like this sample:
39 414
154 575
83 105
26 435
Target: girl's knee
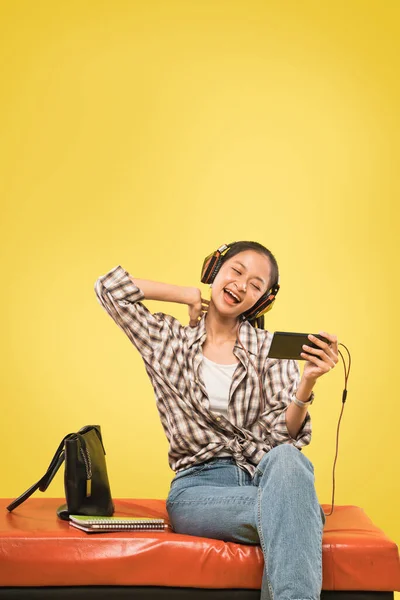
286 458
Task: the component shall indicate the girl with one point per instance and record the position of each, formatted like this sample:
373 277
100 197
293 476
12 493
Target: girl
235 419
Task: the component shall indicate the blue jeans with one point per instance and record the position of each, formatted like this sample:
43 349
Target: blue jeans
277 508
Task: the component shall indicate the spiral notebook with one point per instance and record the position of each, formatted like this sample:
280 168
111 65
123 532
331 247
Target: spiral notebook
106 524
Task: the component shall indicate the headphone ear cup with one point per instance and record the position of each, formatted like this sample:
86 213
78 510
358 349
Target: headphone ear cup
211 267
212 263
264 304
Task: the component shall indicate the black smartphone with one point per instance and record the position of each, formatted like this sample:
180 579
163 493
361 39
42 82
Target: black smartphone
290 345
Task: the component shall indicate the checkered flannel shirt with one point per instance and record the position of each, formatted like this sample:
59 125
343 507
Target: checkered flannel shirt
172 354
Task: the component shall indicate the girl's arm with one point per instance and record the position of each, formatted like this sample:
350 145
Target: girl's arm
155 290
295 414
321 361
120 295
284 421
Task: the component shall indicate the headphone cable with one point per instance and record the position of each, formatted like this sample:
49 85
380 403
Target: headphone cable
344 397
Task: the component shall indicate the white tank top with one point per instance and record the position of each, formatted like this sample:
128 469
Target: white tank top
217 379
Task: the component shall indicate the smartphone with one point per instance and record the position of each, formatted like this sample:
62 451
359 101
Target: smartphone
290 345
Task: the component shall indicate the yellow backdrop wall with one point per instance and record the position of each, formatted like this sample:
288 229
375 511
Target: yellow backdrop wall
148 133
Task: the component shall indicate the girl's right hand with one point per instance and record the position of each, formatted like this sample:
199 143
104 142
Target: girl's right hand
197 308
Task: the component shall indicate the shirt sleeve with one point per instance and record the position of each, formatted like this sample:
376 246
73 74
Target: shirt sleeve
121 298
281 381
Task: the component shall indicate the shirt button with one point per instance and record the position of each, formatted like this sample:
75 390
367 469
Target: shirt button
218 418
196 380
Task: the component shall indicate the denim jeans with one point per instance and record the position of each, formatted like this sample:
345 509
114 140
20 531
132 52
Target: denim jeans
277 508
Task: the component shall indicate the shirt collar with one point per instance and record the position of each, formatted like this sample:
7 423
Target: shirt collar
248 335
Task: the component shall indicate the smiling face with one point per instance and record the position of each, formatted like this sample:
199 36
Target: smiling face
240 283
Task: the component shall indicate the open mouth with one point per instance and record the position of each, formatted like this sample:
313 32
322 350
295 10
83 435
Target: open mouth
230 297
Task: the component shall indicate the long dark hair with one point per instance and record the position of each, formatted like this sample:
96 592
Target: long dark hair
241 246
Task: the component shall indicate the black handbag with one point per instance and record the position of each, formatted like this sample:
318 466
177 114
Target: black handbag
87 489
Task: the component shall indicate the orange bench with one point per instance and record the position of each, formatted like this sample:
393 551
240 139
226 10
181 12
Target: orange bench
43 557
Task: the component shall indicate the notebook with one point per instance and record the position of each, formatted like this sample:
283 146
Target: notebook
103 524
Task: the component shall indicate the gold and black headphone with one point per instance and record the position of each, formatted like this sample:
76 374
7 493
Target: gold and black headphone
211 266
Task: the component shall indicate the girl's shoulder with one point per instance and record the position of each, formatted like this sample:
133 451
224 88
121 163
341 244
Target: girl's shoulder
264 339
261 336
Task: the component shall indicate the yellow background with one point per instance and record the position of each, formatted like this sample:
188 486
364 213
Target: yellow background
148 133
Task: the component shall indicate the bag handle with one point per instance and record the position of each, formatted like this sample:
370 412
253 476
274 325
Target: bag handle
47 478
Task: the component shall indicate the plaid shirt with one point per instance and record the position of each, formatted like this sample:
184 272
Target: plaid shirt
172 355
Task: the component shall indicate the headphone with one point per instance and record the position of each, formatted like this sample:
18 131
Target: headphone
212 264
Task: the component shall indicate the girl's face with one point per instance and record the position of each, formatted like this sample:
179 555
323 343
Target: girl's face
240 283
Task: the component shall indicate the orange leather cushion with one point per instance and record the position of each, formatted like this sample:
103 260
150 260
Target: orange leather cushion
37 549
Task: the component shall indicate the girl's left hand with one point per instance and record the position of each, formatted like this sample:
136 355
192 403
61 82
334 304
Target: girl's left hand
322 359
